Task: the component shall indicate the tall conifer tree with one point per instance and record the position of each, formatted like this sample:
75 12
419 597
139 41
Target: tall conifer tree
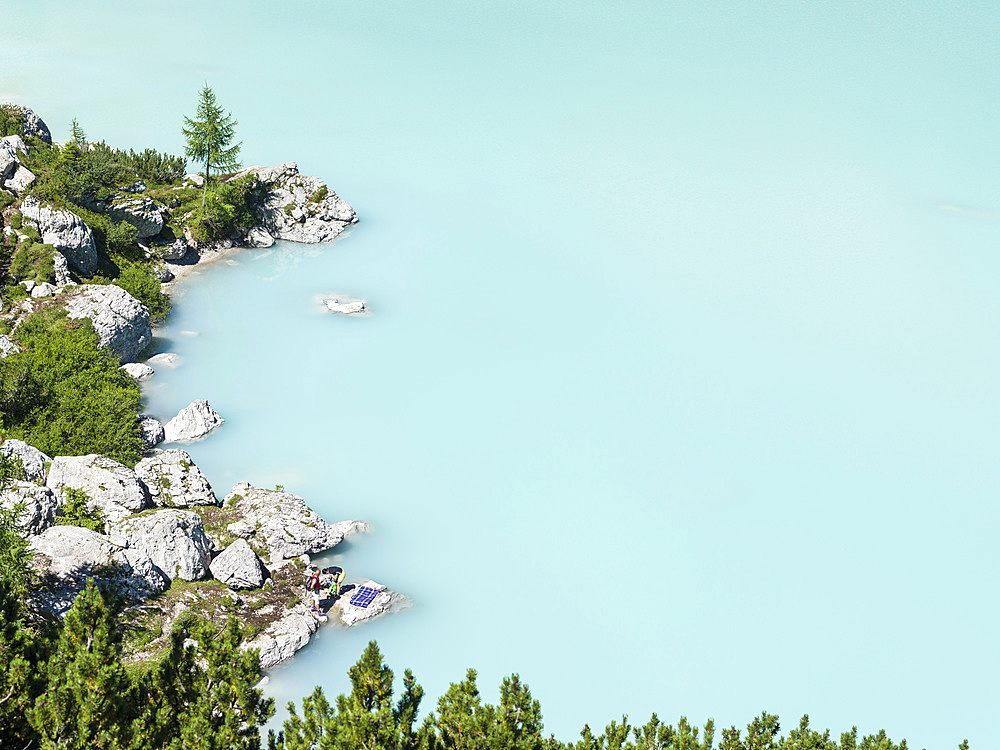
209 137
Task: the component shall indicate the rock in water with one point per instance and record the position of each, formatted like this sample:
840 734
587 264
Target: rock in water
151 431
32 459
138 370
385 601
282 524
114 489
165 359
65 231
174 540
238 567
345 305
173 480
192 422
120 320
39 506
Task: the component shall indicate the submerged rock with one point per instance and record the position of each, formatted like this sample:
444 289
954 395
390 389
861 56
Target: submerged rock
120 320
65 231
238 567
173 480
192 422
164 359
174 539
113 489
281 523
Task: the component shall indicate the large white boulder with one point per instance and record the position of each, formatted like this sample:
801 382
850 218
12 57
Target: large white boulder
121 321
238 567
174 481
138 370
194 421
281 523
39 506
151 431
64 230
73 549
174 539
8 347
114 489
33 460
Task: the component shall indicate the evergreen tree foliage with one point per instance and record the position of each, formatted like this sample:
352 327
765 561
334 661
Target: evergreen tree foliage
209 137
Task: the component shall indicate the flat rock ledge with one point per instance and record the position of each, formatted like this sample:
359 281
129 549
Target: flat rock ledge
385 602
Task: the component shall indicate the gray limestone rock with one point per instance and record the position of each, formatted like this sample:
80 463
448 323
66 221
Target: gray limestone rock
174 539
385 601
137 575
164 359
283 525
113 488
162 273
176 250
33 460
9 160
194 421
40 506
259 237
144 214
138 370
61 267
18 184
121 321
151 431
238 567
174 481
298 207
65 231
284 637
8 347
45 289
72 550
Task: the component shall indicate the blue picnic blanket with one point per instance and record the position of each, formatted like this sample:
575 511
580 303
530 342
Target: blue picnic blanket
364 596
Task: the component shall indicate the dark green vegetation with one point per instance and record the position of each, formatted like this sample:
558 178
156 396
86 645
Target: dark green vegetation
67 396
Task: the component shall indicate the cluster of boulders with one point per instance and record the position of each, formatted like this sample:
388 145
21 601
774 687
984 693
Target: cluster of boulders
162 522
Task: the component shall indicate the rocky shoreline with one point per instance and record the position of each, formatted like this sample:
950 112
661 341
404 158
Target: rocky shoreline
165 541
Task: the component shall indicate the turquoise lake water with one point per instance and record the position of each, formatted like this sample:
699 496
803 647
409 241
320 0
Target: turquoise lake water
679 387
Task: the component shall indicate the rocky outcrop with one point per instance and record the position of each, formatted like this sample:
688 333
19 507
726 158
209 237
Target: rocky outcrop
114 489
120 320
138 576
298 207
14 176
385 601
344 305
34 462
31 123
144 214
65 231
174 540
39 506
138 370
60 269
174 481
281 525
238 567
175 251
284 637
192 422
8 347
72 549
151 431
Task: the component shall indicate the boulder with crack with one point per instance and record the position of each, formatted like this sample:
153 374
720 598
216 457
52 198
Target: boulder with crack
113 489
174 481
65 231
281 525
34 462
120 320
194 421
39 506
174 540
238 567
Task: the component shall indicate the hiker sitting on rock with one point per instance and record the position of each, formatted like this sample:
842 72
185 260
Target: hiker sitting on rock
336 577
